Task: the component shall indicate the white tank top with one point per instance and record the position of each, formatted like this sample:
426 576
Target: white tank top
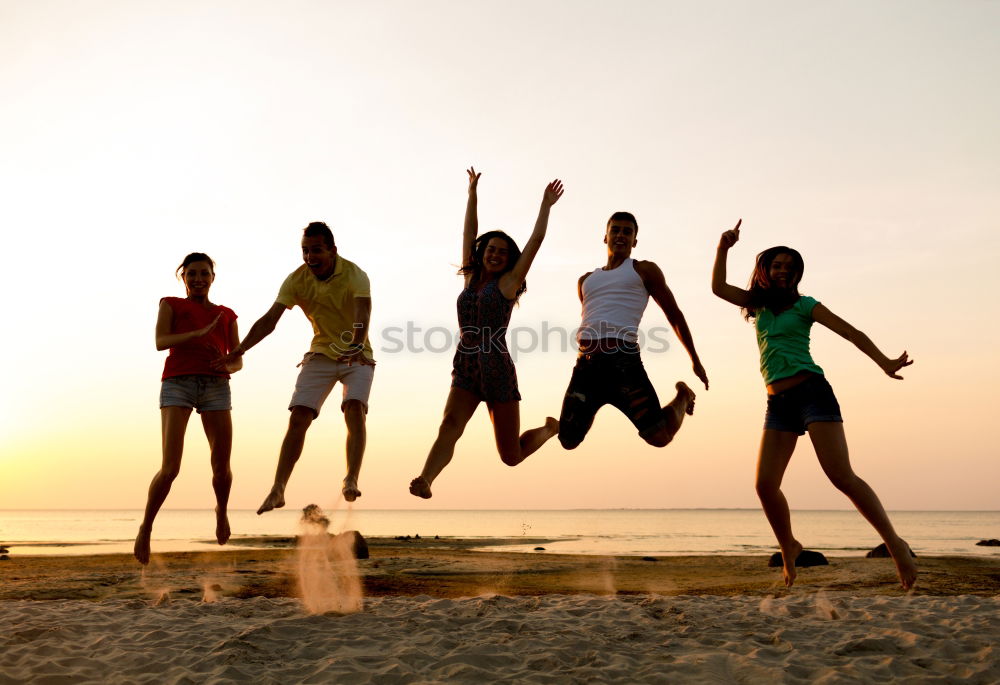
613 303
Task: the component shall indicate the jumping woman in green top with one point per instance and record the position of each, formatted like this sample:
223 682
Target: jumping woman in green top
799 399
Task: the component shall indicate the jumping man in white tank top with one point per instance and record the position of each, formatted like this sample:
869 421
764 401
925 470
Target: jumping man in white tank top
608 369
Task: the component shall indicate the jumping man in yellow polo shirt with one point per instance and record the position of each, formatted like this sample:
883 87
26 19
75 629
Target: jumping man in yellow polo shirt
335 296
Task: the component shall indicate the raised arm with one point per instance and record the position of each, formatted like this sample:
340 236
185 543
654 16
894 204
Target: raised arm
164 321
653 279
511 281
729 293
471 229
845 330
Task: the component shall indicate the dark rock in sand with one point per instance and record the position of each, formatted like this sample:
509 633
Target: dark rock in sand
539 549
4 557
806 557
982 543
358 543
882 552
648 559
4 550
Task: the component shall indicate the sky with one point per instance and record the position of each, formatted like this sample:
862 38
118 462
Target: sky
862 134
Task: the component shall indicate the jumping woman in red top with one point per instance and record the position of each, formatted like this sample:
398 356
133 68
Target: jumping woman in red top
196 332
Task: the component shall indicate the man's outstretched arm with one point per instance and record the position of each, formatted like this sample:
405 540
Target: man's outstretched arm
262 328
656 284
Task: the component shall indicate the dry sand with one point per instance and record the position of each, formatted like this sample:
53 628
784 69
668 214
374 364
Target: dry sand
436 611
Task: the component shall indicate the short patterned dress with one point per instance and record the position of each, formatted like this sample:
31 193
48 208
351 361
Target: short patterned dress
482 364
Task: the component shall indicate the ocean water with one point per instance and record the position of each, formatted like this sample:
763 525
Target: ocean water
638 532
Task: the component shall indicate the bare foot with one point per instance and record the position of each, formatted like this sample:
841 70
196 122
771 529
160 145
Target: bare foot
788 558
222 531
682 387
420 487
553 425
141 550
275 500
906 569
350 489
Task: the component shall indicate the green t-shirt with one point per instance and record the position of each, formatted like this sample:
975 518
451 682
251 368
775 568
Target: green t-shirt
784 340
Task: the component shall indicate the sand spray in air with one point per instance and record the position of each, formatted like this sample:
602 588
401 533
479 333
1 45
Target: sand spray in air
327 569
211 578
156 588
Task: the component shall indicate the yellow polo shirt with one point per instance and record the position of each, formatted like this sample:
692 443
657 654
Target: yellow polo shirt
329 305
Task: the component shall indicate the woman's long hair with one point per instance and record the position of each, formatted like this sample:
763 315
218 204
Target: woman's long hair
763 293
475 268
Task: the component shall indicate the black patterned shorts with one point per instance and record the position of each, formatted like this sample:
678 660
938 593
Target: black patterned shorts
616 377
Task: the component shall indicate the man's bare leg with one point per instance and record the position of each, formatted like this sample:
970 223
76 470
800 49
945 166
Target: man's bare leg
173 423
354 417
291 449
673 415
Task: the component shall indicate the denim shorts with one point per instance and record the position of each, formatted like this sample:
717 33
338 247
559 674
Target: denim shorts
794 409
202 393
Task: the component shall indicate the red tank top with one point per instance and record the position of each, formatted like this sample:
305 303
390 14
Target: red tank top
194 356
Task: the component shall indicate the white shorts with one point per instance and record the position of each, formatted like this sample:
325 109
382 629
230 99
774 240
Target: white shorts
320 373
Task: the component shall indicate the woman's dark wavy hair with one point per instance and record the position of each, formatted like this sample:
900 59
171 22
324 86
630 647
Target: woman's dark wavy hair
191 259
475 268
763 293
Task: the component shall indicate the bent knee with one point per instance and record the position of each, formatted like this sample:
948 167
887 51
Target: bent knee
354 408
301 417
511 457
767 488
660 438
845 482
569 442
170 473
451 425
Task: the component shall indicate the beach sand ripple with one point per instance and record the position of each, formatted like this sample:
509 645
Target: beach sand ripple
814 637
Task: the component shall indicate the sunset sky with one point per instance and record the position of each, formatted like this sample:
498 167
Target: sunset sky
863 134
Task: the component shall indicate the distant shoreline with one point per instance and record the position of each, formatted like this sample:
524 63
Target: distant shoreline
509 544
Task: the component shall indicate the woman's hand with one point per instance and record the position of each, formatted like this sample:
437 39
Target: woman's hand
473 178
730 237
891 366
230 363
202 332
553 192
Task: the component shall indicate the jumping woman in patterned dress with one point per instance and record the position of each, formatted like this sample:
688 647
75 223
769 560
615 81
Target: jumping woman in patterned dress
494 270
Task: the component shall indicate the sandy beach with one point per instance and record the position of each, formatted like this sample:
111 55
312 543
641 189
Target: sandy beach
440 611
